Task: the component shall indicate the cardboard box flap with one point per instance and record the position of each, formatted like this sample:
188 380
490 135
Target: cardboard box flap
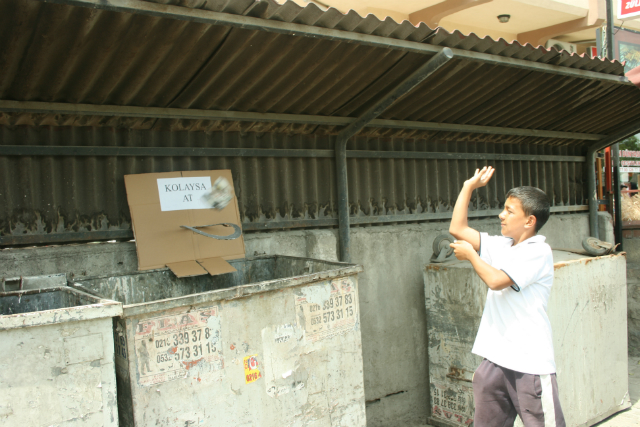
216 266
186 268
161 203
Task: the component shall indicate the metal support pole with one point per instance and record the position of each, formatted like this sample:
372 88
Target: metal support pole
592 192
609 30
615 150
344 239
591 152
617 202
344 227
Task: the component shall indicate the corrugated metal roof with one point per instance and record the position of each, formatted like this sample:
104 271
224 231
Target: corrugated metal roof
332 18
79 55
62 53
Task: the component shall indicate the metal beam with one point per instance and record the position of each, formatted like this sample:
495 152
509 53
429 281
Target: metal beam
90 236
164 113
418 76
188 114
492 130
71 236
361 154
361 220
42 150
102 151
258 24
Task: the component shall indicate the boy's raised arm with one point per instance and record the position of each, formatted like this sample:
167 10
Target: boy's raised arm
459 227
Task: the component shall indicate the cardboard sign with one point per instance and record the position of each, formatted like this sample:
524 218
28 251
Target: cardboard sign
160 241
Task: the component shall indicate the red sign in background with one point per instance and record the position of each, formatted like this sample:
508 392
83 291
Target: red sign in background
628 8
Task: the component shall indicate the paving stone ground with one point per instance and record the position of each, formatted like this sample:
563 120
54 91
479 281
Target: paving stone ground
630 417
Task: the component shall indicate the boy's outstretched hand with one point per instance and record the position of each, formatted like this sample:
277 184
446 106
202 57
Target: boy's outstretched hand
480 178
463 250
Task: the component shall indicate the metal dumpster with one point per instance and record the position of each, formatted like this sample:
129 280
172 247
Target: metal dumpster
57 359
588 314
276 343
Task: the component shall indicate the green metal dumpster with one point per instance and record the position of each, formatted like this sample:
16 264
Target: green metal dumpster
275 343
57 359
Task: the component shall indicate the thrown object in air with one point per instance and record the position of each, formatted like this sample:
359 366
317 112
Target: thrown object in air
220 194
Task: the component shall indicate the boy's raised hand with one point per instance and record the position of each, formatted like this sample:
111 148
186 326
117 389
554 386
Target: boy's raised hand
480 178
463 250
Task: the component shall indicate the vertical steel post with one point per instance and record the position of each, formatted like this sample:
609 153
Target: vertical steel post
344 238
609 31
592 192
617 205
615 150
344 230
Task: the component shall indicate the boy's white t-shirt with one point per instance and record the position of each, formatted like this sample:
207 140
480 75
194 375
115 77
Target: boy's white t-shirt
515 331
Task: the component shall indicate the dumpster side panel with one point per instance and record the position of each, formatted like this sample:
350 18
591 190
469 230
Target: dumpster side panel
58 374
588 314
455 299
291 356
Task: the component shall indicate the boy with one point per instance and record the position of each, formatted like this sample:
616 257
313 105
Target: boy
517 375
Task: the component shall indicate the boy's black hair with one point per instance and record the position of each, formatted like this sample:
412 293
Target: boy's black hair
534 202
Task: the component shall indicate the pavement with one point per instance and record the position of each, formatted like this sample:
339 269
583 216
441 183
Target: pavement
627 418
630 417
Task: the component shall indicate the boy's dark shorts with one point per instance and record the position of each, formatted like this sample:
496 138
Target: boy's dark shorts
500 394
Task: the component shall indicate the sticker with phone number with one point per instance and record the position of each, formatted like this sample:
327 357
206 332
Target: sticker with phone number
334 315
167 347
453 404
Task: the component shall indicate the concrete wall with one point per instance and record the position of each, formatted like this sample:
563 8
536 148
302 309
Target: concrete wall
392 309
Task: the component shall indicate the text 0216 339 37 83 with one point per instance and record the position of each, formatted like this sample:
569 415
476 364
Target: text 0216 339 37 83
168 346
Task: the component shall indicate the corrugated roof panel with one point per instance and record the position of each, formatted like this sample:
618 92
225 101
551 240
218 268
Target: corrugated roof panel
61 53
49 194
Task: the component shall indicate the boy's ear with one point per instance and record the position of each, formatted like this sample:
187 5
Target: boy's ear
531 222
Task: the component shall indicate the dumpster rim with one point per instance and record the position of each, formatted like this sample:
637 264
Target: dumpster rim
102 308
236 292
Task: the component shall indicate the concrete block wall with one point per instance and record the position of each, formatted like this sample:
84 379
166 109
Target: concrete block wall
392 309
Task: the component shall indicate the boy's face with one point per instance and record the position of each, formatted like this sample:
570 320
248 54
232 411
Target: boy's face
513 221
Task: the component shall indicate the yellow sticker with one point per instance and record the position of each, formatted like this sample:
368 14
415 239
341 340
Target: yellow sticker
251 371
